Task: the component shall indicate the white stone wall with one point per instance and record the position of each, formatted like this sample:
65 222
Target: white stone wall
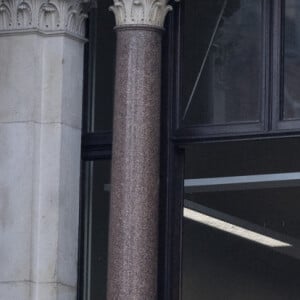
41 79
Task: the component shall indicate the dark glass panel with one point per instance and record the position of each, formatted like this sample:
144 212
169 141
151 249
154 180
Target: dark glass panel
222 47
99 212
291 107
103 65
243 158
242 243
222 265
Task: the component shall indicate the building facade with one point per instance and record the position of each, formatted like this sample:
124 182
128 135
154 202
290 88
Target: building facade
149 149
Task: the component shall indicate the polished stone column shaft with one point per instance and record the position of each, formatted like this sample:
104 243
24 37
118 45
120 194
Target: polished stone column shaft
133 235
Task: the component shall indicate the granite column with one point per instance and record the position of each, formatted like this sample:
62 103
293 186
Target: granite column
133 234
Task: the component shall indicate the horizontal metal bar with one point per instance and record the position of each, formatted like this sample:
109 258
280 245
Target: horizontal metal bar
236 183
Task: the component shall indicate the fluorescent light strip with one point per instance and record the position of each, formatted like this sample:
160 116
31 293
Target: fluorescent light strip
233 229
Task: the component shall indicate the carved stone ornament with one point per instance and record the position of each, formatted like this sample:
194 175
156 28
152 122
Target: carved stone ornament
140 12
43 15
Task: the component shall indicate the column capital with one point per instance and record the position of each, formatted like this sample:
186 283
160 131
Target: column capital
140 12
46 16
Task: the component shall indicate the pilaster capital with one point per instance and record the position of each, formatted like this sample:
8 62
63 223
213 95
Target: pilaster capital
140 12
48 16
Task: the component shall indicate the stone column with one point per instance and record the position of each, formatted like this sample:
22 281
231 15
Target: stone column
133 232
41 79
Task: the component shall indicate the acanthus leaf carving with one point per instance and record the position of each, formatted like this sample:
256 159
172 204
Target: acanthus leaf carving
43 15
140 12
24 15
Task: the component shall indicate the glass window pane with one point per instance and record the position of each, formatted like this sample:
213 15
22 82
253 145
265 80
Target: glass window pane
241 234
242 158
291 107
242 245
102 40
97 212
222 62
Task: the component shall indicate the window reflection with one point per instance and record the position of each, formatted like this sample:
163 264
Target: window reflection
291 108
241 225
242 245
101 67
96 231
222 56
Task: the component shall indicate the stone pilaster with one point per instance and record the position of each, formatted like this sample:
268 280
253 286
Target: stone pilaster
41 78
133 233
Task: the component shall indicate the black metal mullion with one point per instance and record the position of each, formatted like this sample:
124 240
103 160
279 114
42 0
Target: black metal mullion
280 125
172 172
276 64
266 65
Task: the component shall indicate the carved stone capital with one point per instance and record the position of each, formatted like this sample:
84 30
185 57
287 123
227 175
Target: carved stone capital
47 16
140 12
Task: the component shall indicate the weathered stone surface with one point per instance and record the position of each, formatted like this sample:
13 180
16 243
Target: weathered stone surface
14 290
41 80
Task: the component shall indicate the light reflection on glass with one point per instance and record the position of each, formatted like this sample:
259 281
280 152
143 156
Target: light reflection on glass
222 58
291 106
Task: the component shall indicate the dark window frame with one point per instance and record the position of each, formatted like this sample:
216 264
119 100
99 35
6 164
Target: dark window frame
95 146
279 124
214 131
176 138
272 65
98 145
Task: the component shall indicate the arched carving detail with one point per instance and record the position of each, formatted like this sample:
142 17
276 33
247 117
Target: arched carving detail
24 15
5 17
49 18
